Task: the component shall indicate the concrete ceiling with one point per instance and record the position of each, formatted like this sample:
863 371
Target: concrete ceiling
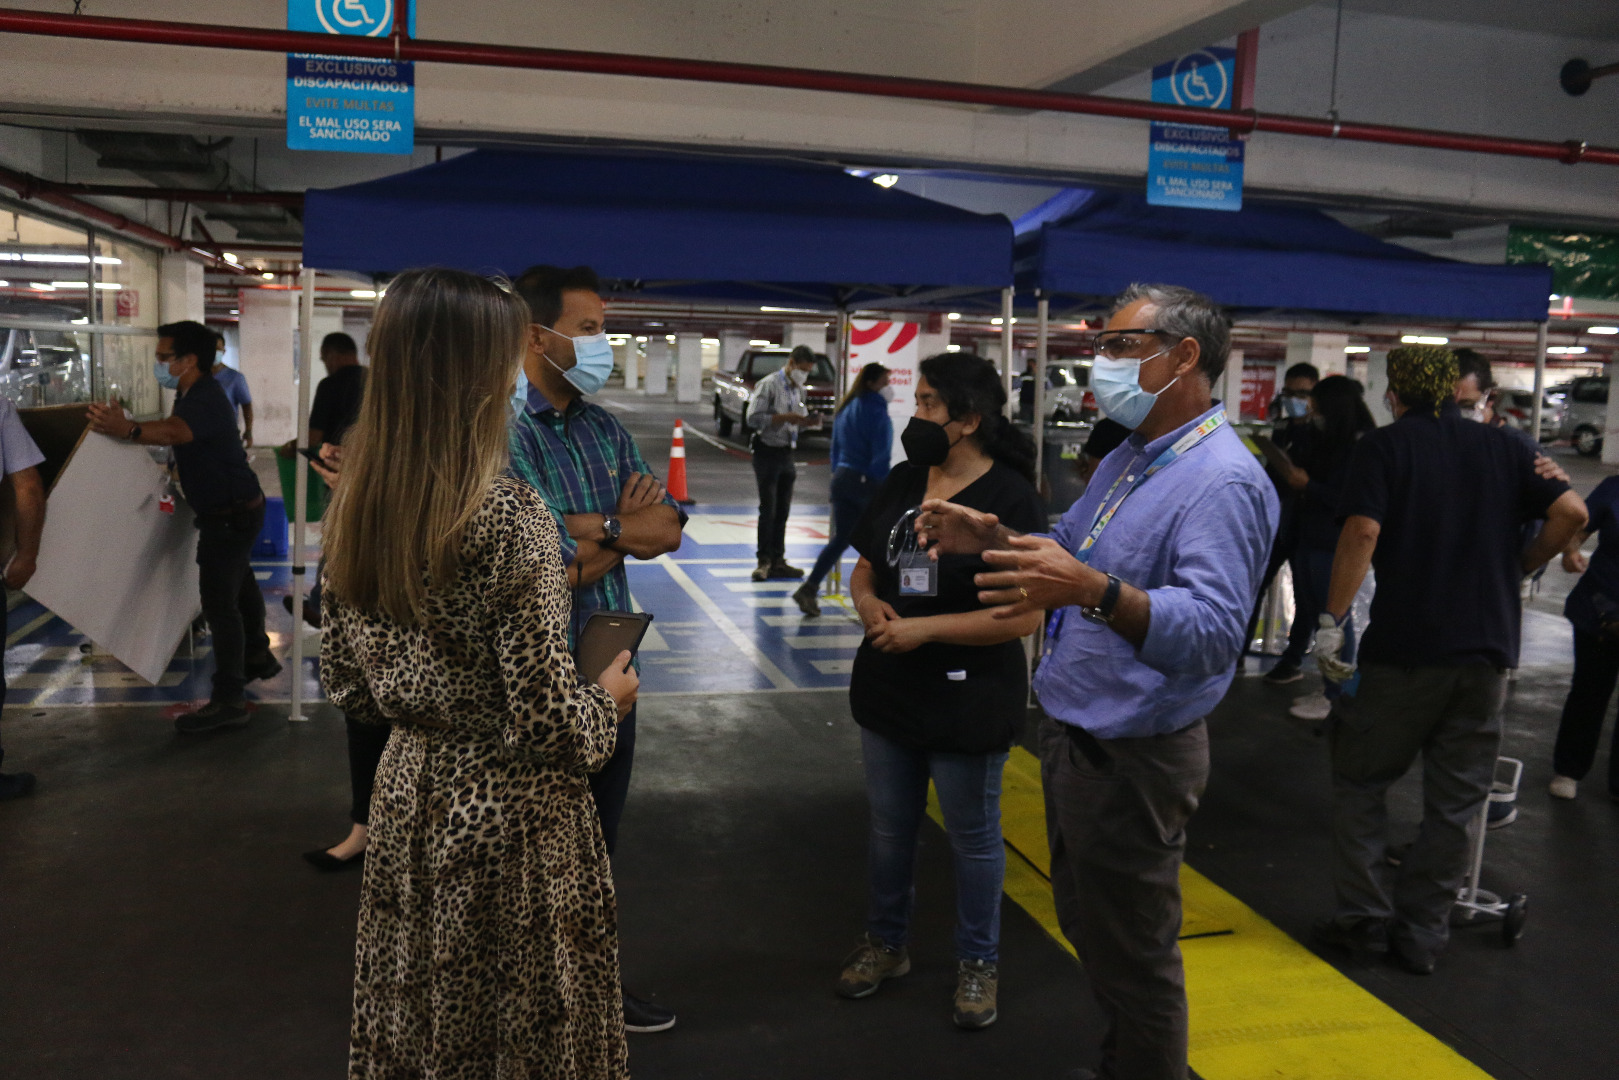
1594 20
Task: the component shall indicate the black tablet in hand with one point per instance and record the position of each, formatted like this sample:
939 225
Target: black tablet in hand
606 634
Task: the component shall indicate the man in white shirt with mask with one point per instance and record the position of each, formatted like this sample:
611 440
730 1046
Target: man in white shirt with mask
776 413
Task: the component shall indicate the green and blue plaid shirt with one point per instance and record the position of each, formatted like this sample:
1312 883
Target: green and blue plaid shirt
578 461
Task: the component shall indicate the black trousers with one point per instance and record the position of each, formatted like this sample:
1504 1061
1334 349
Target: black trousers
5 624
610 787
775 471
1596 670
366 743
231 598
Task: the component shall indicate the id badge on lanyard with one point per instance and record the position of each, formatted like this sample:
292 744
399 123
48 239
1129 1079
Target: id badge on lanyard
918 574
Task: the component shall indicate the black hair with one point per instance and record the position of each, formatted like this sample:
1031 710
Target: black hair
862 382
1341 404
339 343
801 354
1106 436
191 339
967 383
1303 371
541 287
1471 362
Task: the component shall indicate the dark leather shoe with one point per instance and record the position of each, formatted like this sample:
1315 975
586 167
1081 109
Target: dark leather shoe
262 668
311 612
1362 935
643 1016
780 570
327 863
215 714
1407 955
804 597
762 571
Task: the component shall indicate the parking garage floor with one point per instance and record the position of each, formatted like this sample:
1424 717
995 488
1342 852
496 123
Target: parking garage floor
156 919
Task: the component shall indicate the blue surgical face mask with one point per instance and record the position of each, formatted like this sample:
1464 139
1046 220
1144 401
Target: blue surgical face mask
520 395
593 362
1295 408
164 379
1117 385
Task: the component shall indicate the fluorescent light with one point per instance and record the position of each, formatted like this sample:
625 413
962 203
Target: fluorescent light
61 260
791 310
953 316
5 284
885 180
1554 296
1424 339
70 284
642 338
1602 329
761 344
1565 350
1357 348
80 321
952 348
235 311
711 341
41 286
267 276
363 294
109 286
230 257
997 321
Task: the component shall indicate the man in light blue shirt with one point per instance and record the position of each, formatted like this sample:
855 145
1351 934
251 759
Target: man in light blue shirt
19 463
1150 578
234 383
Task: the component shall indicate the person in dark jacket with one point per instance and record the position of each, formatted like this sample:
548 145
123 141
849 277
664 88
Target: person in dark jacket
862 449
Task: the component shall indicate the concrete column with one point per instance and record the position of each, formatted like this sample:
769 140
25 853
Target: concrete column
733 343
1325 351
1377 385
1230 389
628 358
934 337
812 334
179 288
688 368
265 338
657 366
1610 430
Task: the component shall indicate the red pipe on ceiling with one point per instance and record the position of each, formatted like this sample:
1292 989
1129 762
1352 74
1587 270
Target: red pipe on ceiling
153 32
31 187
291 199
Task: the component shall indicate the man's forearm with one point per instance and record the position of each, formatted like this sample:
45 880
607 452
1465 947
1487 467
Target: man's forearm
645 533
1564 521
1350 562
591 563
30 512
170 432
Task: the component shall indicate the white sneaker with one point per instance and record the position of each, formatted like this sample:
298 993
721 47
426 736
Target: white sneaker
1311 707
1564 787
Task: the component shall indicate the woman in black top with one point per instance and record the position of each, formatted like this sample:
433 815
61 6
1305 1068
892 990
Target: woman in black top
940 685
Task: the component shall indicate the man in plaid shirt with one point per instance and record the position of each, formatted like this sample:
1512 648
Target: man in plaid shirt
606 502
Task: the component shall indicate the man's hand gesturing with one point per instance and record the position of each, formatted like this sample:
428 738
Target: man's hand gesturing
947 528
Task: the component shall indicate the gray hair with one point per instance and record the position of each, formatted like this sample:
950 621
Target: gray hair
1183 313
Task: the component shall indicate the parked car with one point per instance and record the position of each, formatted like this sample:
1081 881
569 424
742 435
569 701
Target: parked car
43 367
1587 414
1516 407
733 389
1068 397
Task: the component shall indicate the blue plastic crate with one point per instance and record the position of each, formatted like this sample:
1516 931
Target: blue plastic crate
272 541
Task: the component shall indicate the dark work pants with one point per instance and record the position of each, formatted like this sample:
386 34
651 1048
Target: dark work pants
1116 814
231 599
851 494
5 624
366 743
1596 669
611 786
1451 716
776 473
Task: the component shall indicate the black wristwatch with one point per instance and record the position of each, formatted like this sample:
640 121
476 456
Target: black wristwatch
612 529
1103 612
134 433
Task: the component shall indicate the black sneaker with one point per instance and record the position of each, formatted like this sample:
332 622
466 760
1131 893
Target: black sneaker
16 785
311 612
1362 935
644 1017
266 667
804 597
215 714
1285 671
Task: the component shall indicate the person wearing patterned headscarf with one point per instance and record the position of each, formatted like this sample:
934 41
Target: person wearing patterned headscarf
1438 505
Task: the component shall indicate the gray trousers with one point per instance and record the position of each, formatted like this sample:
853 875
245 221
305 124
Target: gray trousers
1451 716
1116 814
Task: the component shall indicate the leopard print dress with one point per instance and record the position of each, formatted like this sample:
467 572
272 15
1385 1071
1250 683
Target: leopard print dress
488 940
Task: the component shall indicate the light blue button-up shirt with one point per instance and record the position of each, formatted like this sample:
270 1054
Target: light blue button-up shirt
1195 537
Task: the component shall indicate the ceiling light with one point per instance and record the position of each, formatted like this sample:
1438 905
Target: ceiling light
108 286
70 284
711 341
760 344
235 311
1555 296
952 348
5 284
1357 348
997 321
790 310
640 339
41 286
1602 329
80 321
363 294
1565 350
885 180
267 276
230 257
953 316
1424 339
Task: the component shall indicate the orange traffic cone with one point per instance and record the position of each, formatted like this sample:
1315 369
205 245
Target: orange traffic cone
677 468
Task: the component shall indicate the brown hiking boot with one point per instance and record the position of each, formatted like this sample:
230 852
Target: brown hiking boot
977 983
867 967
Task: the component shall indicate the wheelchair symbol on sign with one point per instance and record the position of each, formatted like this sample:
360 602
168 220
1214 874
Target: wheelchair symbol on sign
1199 79
354 16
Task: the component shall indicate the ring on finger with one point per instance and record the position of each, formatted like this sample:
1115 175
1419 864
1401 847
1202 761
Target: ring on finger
1023 592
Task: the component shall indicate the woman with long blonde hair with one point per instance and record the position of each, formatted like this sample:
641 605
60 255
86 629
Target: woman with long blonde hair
488 943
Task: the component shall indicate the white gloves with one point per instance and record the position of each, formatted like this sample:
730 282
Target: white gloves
1329 642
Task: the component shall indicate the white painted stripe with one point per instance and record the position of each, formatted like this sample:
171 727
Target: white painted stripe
825 641
830 622
28 628
761 586
263 575
744 644
833 667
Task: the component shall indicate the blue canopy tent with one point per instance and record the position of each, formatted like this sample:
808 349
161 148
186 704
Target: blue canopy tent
1084 245
686 227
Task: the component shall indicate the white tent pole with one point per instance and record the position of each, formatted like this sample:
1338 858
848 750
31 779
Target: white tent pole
1006 349
843 350
1043 321
300 489
1540 379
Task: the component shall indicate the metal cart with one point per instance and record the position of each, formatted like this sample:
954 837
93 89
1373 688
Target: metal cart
1473 904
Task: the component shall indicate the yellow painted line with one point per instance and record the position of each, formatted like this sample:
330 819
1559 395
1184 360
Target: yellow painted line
23 631
1262 1005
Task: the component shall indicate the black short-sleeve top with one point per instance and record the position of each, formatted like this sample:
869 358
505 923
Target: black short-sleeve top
951 698
214 471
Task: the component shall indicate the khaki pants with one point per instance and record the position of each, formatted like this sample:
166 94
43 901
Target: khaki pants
1116 814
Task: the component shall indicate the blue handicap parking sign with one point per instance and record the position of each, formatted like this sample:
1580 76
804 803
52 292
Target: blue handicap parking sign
354 104
1193 164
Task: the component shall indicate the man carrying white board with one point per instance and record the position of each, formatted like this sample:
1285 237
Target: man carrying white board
18 460
224 493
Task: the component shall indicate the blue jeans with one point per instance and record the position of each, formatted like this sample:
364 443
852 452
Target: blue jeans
851 494
969 787
1312 578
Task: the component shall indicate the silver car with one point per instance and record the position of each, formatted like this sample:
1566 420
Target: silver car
1587 413
1516 409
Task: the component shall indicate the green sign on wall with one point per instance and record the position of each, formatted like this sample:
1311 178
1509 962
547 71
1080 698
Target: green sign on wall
1584 263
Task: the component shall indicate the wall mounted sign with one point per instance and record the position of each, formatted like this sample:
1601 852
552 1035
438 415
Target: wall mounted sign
1192 164
347 103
